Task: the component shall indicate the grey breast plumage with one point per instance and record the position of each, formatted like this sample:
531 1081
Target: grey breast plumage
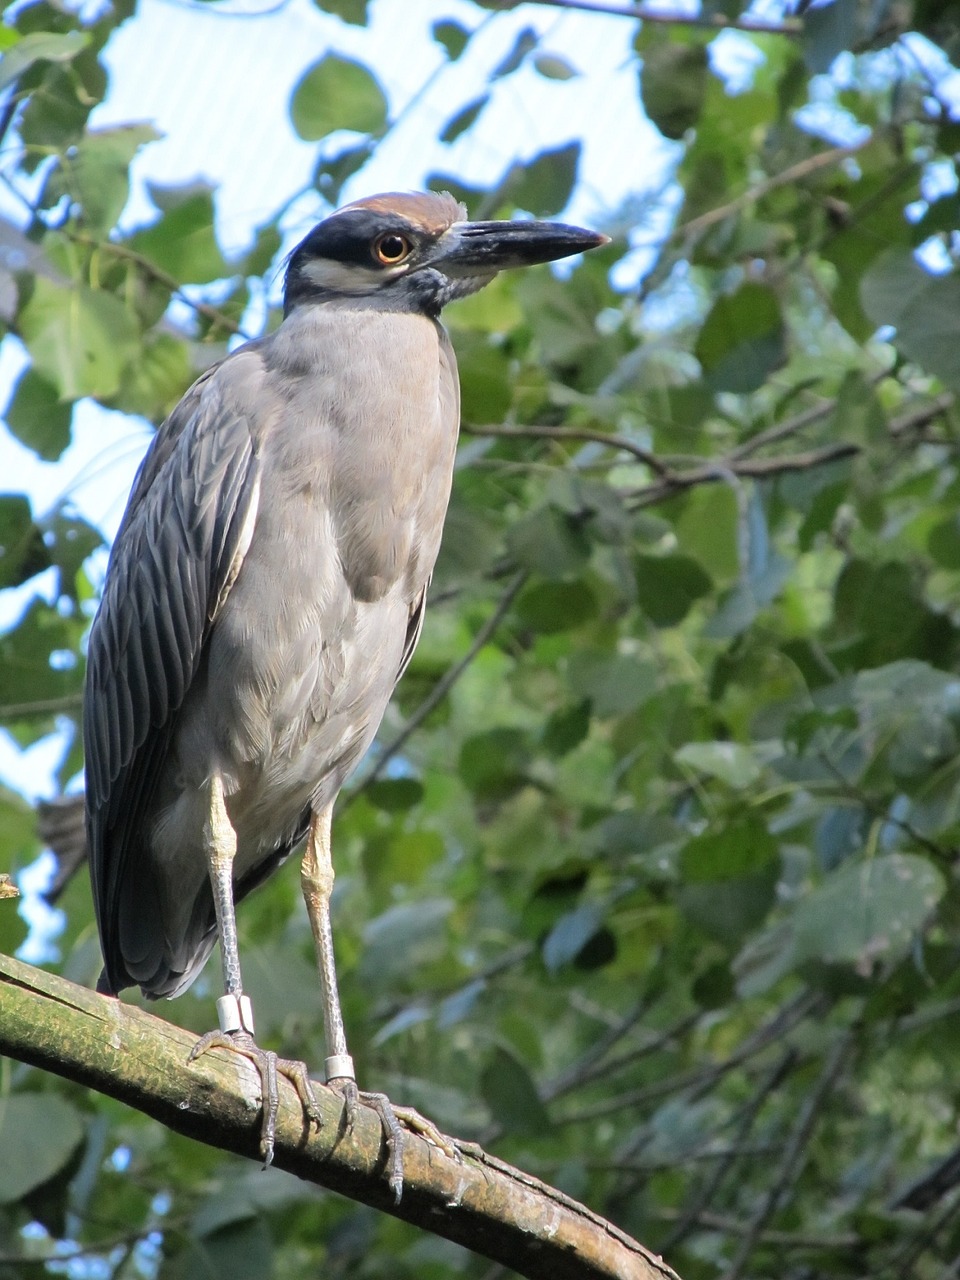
294 499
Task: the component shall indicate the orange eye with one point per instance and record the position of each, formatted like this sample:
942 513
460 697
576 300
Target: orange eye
391 249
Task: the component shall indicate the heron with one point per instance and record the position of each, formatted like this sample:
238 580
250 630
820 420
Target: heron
264 594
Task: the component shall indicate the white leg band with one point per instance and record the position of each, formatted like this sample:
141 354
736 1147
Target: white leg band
235 1013
339 1066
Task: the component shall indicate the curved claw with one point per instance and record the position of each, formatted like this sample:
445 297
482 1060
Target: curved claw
269 1067
392 1121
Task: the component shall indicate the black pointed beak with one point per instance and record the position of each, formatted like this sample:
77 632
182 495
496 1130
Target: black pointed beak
483 248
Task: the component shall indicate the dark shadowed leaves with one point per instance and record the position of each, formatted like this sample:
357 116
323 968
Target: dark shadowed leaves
742 339
511 1094
673 85
44 1130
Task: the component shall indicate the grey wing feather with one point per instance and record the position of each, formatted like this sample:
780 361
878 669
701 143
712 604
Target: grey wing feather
175 557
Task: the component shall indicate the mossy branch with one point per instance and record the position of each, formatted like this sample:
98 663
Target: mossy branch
481 1203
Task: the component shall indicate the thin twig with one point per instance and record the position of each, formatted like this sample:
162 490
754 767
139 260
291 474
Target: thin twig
714 22
591 1067
922 415
574 434
42 707
783 1239
757 468
693 1214
700 1081
205 309
796 1148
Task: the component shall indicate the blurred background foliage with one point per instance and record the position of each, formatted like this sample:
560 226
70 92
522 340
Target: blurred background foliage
659 897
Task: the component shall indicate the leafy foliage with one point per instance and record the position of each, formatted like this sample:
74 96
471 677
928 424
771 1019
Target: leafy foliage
660 897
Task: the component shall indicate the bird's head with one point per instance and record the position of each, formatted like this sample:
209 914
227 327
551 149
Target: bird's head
416 252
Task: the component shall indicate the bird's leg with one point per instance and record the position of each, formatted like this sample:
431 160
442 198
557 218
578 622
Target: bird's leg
234 1010
316 880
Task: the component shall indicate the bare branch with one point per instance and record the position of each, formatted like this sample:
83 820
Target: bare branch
205 309
796 1150
574 434
479 1202
723 468
714 22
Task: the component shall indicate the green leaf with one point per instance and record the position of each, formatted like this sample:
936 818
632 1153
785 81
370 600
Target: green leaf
673 86
22 550
154 382
241 1251
96 173
26 671
511 1095
549 543
543 185
337 93
668 586
352 11
552 67
571 934
395 795
464 118
494 764
37 416
526 41
44 1130
452 36
866 911
486 392
183 243
40 46
333 171
402 858
729 879
566 728
69 540
732 763
79 338
742 340
924 310
615 683
943 542
549 607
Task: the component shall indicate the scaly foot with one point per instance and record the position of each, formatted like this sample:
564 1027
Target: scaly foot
269 1066
392 1120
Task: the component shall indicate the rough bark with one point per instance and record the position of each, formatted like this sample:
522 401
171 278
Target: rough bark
481 1203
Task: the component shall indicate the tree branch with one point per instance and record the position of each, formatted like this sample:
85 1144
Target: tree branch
755 468
715 22
575 435
481 1203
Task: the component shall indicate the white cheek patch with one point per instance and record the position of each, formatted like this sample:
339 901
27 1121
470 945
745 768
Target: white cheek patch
347 277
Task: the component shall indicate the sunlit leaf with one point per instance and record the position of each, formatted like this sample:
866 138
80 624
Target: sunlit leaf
337 93
39 46
183 242
80 338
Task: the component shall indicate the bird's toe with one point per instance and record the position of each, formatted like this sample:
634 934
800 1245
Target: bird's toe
269 1066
